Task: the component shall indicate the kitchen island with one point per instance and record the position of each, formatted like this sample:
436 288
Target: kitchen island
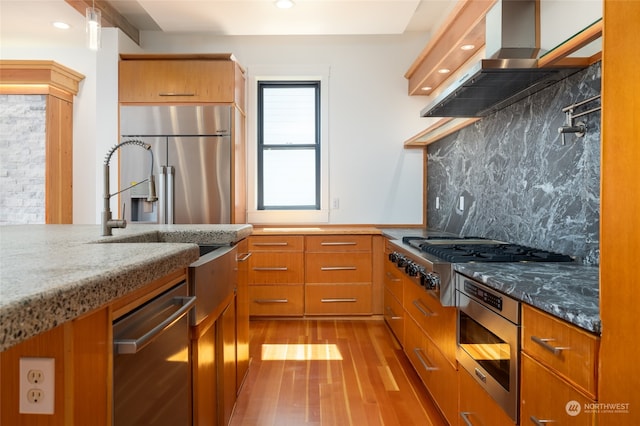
63 287
51 274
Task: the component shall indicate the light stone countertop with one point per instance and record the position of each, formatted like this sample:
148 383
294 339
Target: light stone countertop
50 274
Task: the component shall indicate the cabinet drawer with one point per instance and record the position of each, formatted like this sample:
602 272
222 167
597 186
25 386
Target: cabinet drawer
544 398
276 268
338 268
437 321
276 243
393 279
338 243
340 299
176 81
276 300
394 315
567 350
476 406
438 375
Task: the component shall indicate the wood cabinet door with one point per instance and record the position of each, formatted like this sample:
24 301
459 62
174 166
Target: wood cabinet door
276 300
338 299
226 363
276 268
437 321
438 375
569 351
477 408
545 398
394 315
242 313
160 81
338 268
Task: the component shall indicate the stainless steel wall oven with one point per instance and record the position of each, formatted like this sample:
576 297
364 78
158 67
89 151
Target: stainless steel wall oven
488 341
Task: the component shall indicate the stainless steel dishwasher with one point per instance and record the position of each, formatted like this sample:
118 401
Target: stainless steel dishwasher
151 362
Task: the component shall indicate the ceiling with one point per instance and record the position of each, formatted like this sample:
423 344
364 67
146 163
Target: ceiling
29 21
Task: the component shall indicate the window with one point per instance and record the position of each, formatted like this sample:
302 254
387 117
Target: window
289 140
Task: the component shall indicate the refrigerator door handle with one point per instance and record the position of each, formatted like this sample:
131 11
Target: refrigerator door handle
170 194
162 195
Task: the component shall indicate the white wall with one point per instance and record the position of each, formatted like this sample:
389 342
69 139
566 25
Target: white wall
375 178
370 114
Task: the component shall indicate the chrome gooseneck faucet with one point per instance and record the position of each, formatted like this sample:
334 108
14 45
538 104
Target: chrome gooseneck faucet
107 222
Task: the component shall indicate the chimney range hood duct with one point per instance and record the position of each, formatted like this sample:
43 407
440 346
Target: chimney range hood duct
509 74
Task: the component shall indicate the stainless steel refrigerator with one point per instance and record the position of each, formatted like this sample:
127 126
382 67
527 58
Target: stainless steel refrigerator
192 163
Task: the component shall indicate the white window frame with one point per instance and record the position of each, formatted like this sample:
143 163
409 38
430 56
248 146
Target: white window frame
286 73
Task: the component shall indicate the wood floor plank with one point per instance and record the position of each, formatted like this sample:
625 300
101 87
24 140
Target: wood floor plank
328 372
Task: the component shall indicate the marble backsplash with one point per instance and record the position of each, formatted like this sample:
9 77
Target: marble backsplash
519 182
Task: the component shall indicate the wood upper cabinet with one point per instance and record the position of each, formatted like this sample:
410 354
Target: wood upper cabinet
181 79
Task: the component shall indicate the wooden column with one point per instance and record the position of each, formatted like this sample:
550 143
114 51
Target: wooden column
620 213
60 85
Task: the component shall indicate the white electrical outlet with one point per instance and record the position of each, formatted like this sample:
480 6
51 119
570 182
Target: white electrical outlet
336 203
462 203
37 385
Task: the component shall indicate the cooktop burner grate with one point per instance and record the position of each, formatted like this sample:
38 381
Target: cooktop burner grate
459 251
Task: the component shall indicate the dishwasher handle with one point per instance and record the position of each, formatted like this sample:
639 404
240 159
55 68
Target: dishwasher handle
133 346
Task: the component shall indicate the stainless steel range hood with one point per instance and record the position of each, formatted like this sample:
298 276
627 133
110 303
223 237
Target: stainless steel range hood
509 74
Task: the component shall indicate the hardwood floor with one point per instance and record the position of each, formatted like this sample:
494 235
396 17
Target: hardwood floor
330 372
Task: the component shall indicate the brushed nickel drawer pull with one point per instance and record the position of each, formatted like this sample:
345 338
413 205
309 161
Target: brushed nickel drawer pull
481 375
176 94
275 268
244 256
338 243
556 350
540 422
266 301
338 268
423 309
393 315
392 277
422 360
346 299
465 417
271 244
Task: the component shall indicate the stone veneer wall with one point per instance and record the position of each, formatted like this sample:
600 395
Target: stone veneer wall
22 158
519 182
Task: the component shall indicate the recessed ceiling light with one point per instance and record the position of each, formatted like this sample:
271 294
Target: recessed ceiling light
426 88
467 47
61 25
284 4
444 70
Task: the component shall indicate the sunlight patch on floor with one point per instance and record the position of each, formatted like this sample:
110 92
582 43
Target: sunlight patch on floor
300 352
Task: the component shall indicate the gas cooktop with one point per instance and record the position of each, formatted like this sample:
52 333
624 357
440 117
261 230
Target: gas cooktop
475 249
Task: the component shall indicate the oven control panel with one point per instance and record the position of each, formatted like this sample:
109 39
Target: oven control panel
484 296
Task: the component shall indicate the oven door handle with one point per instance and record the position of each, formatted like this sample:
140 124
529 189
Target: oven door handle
556 350
133 346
